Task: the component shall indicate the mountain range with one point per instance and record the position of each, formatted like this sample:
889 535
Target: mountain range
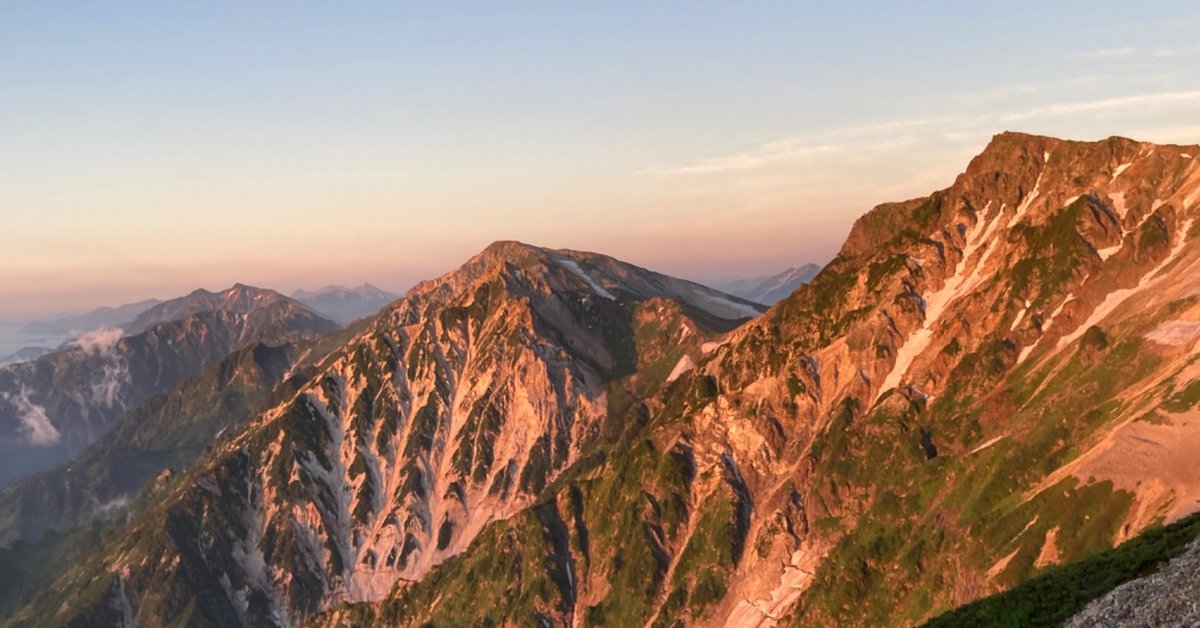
94 319
53 407
775 288
985 383
342 304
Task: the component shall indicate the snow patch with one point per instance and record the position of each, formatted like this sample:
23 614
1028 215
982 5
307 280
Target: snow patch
709 347
1118 199
573 266
987 444
1028 200
937 302
1174 333
1120 169
684 365
740 310
1117 297
1045 326
1018 319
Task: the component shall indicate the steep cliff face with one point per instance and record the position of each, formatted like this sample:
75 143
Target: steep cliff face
53 407
943 411
454 409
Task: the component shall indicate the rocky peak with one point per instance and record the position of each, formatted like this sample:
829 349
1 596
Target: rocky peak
523 268
238 299
1029 239
455 408
52 408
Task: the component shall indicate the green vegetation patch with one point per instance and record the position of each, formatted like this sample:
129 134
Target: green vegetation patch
1060 592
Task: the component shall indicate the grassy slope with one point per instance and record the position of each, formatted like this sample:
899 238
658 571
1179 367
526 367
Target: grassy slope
1060 592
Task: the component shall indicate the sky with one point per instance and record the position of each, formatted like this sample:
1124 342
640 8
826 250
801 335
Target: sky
150 148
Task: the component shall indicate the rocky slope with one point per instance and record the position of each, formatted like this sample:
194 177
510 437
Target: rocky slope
53 407
1169 597
984 382
773 289
455 408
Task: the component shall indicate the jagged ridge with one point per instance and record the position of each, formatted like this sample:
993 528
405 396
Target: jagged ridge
53 407
454 408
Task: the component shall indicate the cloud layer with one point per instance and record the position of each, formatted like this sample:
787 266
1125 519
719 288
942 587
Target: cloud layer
34 421
98 341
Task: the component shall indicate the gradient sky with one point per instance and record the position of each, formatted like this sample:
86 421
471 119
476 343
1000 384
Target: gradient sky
149 148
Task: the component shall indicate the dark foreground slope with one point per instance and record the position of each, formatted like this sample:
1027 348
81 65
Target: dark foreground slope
1061 593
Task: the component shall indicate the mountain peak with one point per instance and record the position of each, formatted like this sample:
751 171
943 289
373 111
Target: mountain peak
237 299
343 304
1028 178
583 273
771 289
510 251
503 247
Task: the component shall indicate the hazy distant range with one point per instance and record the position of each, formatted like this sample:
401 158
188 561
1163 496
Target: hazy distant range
339 303
13 339
26 340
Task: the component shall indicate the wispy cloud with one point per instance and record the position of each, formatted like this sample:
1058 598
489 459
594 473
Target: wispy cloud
956 129
789 149
1107 104
34 421
101 340
1107 53
861 139
1135 52
1027 89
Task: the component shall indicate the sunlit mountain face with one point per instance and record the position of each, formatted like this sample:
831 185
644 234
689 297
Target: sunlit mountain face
985 383
562 315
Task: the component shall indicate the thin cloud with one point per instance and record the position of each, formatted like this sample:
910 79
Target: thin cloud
1107 53
1134 52
842 140
849 142
102 340
36 425
1107 104
1025 89
767 153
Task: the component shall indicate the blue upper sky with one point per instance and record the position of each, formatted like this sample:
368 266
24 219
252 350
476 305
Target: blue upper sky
153 147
